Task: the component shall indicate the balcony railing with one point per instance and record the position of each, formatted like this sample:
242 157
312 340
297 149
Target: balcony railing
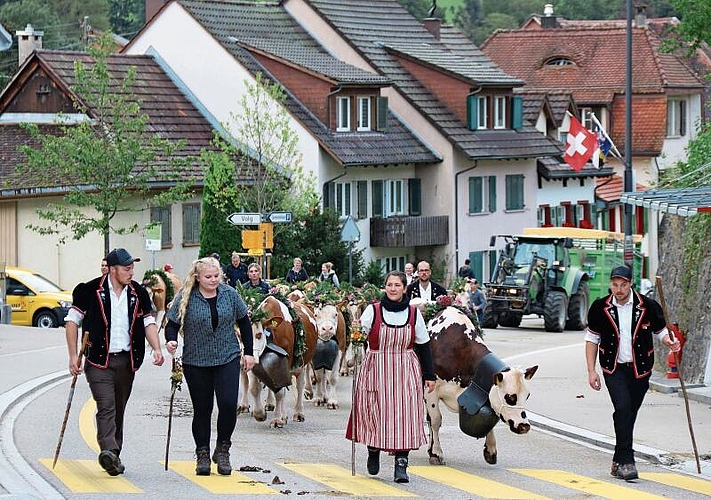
406 231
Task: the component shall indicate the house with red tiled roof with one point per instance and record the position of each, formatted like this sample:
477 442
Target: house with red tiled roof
587 60
344 62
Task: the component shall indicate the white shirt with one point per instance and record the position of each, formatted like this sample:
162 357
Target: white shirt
426 293
120 340
396 319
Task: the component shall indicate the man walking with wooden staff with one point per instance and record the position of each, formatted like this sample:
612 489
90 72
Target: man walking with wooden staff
621 328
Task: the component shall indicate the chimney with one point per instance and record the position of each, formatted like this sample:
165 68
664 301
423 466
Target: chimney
28 41
153 6
640 19
432 25
548 21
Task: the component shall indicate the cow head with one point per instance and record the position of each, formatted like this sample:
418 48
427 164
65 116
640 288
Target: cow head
326 322
508 396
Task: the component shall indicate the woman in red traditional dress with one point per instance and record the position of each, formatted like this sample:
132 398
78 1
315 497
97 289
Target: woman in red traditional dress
388 412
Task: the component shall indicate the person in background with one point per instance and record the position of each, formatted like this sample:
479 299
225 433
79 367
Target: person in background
328 274
477 300
236 271
206 313
297 273
254 271
388 413
621 329
409 272
424 287
466 271
104 267
216 256
116 313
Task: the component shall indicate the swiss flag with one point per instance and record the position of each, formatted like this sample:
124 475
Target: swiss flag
581 144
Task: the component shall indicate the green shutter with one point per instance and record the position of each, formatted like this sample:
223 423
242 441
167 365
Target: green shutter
329 195
516 112
362 193
477 264
382 114
414 193
492 194
472 111
476 203
376 188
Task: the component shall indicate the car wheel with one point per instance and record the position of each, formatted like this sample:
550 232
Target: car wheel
46 319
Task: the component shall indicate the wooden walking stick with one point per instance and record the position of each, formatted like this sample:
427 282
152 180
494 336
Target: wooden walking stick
84 340
663 303
176 378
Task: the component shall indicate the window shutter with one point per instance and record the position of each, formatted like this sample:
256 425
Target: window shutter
329 195
414 192
382 114
492 194
516 112
376 188
682 118
472 111
476 203
477 263
362 193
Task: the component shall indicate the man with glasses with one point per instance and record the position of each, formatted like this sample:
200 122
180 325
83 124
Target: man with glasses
424 287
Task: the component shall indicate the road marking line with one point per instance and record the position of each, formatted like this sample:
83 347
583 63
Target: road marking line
87 476
87 425
679 481
585 484
471 483
341 479
234 484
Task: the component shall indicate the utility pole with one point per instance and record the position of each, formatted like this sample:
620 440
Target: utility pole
628 187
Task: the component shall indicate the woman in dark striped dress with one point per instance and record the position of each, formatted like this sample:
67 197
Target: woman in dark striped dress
388 412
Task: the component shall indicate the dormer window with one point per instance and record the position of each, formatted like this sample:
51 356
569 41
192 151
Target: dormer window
364 114
482 113
494 111
499 112
559 61
344 114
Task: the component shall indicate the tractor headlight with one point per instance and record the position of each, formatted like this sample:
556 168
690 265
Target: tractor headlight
64 304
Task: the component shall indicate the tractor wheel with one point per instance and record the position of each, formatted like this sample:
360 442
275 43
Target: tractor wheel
510 320
578 308
490 318
555 311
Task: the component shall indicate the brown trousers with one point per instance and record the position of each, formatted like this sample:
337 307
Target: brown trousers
111 388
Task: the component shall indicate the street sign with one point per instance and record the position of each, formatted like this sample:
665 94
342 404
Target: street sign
350 231
255 251
279 217
252 239
244 219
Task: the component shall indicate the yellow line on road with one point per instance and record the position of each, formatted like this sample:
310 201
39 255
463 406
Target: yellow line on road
340 479
87 425
471 483
588 485
679 481
234 484
86 476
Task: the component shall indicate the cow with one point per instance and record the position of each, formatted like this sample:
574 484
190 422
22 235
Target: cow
465 367
330 349
280 323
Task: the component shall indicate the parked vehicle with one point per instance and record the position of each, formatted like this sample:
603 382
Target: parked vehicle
35 300
553 272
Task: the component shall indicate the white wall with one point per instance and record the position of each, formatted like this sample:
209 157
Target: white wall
674 148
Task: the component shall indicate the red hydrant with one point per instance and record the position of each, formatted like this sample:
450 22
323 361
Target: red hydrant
672 369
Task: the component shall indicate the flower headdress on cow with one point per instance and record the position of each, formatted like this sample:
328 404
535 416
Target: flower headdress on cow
150 279
444 301
252 298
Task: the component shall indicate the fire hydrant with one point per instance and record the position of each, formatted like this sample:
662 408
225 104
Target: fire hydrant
672 368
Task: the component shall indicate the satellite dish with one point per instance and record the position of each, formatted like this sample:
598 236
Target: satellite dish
5 39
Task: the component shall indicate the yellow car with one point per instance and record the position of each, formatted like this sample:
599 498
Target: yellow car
34 300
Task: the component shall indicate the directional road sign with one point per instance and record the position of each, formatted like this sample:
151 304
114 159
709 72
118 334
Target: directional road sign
244 219
279 217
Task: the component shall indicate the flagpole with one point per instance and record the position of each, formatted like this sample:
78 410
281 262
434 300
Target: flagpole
628 187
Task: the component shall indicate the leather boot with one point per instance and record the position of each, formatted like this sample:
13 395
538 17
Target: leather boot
202 467
401 468
221 457
373 461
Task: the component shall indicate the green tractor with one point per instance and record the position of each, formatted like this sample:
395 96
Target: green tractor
552 272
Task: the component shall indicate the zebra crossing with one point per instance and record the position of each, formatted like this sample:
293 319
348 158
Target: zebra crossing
85 476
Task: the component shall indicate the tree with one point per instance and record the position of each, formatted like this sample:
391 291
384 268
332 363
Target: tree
695 26
127 16
108 164
417 8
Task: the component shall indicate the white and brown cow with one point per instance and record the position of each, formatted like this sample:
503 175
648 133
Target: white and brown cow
456 351
281 323
331 328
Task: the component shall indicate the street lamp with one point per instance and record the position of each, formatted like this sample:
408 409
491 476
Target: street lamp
628 187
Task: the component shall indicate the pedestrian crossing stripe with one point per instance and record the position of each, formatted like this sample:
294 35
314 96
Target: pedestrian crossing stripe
679 481
589 485
86 476
87 425
234 484
342 480
471 483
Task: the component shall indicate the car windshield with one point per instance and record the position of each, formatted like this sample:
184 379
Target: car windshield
526 249
39 283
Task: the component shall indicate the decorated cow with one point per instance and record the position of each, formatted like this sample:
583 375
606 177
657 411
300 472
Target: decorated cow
330 350
472 382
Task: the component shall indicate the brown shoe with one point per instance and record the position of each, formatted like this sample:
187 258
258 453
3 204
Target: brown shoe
628 472
202 466
221 457
111 463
